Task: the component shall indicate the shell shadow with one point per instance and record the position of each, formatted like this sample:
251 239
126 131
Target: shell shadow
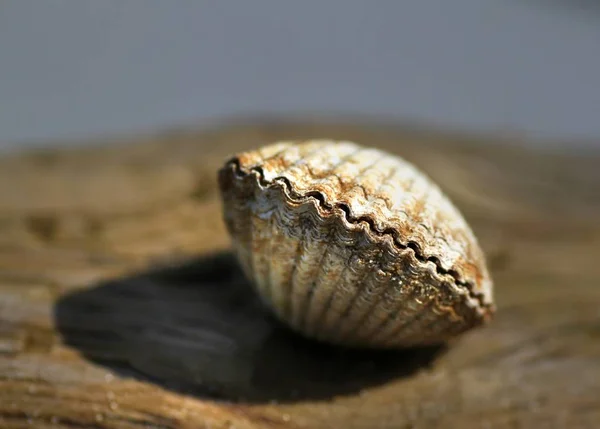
198 328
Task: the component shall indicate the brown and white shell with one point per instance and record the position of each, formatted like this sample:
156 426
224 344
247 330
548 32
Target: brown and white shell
353 245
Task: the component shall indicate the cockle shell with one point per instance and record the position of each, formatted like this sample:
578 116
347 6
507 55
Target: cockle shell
354 246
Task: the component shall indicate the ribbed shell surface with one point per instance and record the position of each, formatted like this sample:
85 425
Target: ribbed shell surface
352 245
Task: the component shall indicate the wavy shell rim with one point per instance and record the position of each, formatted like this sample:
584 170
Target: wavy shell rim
462 287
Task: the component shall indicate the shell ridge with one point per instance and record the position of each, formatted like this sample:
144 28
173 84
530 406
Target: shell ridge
380 328
335 290
416 316
307 267
367 282
333 326
449 323
362 284
322 201
360 289
309 296
256 260
300 249
285 146
302 159
367 316
306 155
390 315
268 274
247 256
406 190
277 271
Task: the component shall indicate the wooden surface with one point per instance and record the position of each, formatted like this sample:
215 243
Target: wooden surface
121 306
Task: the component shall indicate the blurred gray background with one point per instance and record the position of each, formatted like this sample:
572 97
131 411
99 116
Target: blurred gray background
75 69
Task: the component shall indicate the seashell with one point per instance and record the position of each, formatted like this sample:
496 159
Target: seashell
354 246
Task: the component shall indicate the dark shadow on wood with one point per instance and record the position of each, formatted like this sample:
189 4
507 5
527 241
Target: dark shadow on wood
197 328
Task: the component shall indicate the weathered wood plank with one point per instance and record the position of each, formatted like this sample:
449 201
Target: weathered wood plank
121 306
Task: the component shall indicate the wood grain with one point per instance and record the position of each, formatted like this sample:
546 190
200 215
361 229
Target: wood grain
122 307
